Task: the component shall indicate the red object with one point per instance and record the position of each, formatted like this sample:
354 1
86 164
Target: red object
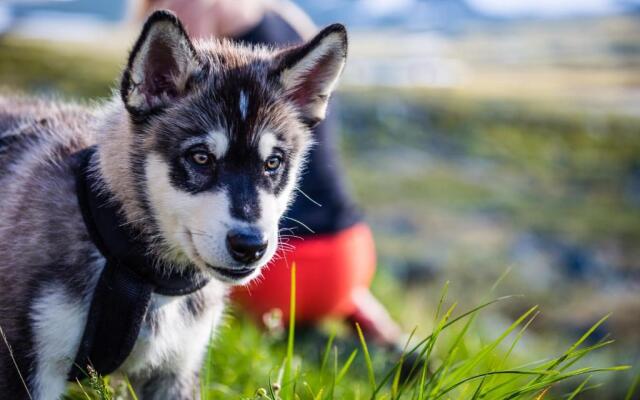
330 270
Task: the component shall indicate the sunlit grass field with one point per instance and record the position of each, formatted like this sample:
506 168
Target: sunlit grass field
455 362
459 185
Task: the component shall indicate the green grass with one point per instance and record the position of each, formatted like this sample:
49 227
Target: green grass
246 363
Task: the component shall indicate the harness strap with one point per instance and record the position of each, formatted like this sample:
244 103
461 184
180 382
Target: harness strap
131 275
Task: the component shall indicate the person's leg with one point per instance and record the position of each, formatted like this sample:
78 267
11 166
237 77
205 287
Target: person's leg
374 319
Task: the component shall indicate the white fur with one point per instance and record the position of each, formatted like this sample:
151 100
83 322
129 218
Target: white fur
243 104
219 143
293 76
179 343
272 208
266 144
196 226
58 323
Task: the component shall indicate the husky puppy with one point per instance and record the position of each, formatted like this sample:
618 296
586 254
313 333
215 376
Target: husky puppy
198 152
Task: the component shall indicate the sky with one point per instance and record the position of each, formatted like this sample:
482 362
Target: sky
543 8
508 8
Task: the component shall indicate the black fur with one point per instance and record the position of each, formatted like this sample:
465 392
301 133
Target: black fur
241 170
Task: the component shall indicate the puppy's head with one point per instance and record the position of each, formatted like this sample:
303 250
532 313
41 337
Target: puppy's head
221 131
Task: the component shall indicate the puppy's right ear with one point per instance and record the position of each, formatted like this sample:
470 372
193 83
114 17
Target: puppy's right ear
160 66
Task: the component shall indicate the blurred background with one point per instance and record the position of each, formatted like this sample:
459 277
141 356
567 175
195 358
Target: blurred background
480 136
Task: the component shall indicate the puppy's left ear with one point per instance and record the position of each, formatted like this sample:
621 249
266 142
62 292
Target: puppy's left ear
160 66
309 72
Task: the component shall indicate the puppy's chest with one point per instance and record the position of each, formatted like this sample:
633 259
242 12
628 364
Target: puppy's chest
175 332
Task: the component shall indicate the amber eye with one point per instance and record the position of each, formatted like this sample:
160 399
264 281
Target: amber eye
272 164
200 157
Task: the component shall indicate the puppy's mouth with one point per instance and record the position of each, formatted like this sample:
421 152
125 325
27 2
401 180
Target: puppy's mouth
235 274
230 275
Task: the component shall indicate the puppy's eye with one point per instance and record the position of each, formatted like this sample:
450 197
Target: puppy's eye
272 164
200 157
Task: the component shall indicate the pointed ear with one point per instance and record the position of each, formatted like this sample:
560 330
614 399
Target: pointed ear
309 72
160 65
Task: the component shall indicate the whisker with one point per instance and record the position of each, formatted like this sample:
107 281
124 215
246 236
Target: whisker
196 233
309 197
291 237
15 363
299 222
201 234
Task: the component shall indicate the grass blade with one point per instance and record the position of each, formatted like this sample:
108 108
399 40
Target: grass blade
292 329
632 388
460 317
346 366
578 390
575 345
473 362
84 392
486 374
367 358
132 392
398 367
327 352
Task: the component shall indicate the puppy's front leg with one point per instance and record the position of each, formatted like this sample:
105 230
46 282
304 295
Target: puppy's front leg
168 386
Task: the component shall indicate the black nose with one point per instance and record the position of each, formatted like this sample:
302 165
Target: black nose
246 245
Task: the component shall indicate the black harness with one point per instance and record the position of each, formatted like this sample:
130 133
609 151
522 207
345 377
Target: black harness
122 295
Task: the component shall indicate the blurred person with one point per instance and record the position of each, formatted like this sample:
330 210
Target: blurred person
331 245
